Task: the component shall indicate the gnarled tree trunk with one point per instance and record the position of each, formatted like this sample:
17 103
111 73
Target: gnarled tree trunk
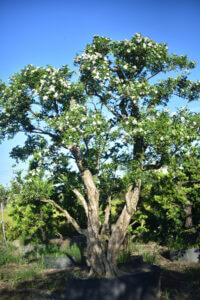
102 255
102 246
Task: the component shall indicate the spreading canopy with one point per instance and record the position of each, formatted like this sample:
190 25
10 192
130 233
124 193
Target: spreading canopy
116 98
113 117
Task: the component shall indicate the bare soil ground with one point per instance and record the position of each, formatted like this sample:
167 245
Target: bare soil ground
179 280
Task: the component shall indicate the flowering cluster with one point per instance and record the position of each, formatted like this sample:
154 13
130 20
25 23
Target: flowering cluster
119 76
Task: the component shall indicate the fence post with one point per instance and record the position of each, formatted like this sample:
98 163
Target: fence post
2 223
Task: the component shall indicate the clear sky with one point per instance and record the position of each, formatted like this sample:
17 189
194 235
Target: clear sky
42 32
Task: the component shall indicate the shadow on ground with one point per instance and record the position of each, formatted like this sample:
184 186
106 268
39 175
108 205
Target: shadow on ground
175 284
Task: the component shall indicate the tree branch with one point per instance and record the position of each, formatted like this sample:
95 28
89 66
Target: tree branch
75 150
132 197
68 216
82 200
156 166
105 227
153 75
32 112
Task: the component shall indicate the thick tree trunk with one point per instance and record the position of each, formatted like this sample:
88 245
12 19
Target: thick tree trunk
97 258
120 228
102 256
96 255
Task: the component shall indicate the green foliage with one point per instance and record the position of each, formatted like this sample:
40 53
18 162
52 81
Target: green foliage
3 194
112 121
166 199
48 250
75 252
32 219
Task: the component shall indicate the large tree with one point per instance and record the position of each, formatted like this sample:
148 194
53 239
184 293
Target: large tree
112 116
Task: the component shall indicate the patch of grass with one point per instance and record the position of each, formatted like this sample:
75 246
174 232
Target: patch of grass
74 251
134 248
166 295
49 250
124 256
25 272
149 258
29 273
7 255
54 251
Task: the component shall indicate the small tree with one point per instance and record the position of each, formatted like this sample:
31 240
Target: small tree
32 220
172 202
113 114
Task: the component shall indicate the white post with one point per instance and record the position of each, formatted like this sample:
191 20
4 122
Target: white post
2 222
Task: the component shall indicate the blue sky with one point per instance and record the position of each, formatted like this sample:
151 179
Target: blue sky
54 31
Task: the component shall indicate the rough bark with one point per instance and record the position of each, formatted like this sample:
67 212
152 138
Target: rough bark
120 228
82 200
188 215
103 255
192 233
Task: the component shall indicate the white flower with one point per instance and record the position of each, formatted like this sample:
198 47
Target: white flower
182 119
45 98
42 82
56 95
134 122
164 170
52 89
194 123
161 138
